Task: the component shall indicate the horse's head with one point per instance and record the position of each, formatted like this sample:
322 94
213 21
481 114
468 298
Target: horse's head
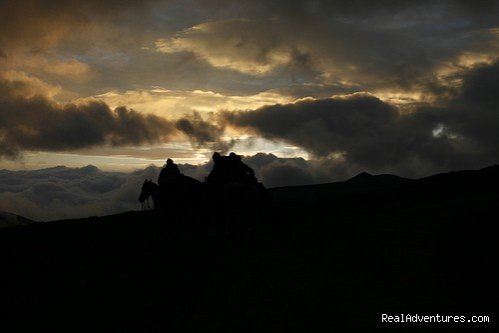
147 190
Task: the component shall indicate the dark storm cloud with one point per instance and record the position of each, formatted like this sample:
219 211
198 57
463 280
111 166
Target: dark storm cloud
31 121
473 113
333 125
369 134
199 131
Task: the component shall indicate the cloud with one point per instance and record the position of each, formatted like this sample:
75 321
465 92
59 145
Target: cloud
61 192
286 174
244 47
472 113
70 69
237 44
332 125
31 120
199 131
20 85
39 25
481 13
62 42
457 131
263 44
340 42
177 103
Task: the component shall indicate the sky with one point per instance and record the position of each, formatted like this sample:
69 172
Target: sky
401 87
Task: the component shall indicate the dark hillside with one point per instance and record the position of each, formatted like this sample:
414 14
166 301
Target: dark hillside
12 220
335 255
360 184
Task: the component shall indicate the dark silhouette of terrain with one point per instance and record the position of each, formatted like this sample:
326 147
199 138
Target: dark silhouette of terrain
328 257
11 220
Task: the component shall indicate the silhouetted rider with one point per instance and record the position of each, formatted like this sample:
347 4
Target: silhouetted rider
169 172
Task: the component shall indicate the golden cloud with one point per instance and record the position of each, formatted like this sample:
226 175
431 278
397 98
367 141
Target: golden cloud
232 44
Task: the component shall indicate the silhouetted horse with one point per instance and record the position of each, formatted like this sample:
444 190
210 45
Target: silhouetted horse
175 193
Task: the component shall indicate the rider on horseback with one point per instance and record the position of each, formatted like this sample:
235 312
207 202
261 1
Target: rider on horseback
170 173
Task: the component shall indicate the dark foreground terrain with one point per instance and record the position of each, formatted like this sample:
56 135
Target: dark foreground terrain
331 257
